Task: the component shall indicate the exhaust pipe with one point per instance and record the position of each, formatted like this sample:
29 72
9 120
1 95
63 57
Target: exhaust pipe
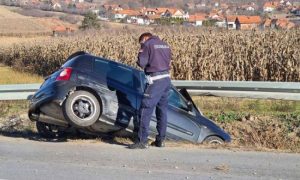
47 119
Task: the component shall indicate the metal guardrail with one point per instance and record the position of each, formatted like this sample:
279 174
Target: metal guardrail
245 89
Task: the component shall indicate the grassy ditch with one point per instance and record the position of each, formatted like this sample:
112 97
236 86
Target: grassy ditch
272 124
253 124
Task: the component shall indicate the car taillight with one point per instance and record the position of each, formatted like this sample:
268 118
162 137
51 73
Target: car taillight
65 75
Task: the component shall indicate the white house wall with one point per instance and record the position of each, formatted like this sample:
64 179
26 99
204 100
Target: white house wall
268 9
120 16
199 23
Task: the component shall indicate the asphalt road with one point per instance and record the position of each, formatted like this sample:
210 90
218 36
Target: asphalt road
27 159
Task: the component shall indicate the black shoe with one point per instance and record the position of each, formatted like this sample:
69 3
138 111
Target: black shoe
138 145
158 143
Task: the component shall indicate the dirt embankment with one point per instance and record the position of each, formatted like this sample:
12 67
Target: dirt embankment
249 132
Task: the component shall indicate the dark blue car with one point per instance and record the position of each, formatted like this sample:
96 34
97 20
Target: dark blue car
97 95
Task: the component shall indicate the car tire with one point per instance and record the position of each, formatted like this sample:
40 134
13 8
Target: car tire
214 140
48 130
82 109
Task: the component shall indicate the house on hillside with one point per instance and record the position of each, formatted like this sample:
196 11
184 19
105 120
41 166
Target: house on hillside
249 7
230 22
161 11
112 7
215 16
284 23
281 23
62 30
55 5
149 11
197 19
130 15
269 24
285 3
271 6
175 13
247 22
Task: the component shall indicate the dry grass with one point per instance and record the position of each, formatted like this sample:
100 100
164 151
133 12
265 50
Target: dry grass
6 13
14 24
9 41
10 76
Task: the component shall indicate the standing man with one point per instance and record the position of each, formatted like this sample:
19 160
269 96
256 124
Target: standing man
154 57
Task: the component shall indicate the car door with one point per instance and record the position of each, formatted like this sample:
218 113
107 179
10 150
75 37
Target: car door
180 119
119 95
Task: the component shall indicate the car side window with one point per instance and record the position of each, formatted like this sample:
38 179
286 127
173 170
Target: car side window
114 72
176 100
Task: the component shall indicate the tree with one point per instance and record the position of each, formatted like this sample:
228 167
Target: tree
90 21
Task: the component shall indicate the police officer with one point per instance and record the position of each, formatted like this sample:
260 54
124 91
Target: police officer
154 57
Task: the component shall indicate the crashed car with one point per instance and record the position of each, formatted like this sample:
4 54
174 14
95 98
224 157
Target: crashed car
97 95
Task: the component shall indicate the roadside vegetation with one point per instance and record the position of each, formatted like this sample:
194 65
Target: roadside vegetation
273 124
206 54
11 76
197 54
268 125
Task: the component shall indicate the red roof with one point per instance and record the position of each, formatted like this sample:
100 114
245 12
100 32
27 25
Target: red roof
129 12
197 17
231 18
59 28
268 22
285 23
249 19
174 10
161 10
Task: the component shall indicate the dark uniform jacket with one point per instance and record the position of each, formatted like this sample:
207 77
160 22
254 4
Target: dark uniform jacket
154 56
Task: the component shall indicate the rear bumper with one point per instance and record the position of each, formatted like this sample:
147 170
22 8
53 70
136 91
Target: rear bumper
52 94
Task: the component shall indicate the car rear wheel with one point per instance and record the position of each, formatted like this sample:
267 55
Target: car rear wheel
215 140
82 109
48 130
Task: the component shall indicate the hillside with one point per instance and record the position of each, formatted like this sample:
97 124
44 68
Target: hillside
12 24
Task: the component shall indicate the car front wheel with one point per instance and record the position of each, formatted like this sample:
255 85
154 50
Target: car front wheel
215 140
82 109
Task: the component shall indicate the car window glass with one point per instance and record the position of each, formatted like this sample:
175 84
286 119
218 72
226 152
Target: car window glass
114 72
176 100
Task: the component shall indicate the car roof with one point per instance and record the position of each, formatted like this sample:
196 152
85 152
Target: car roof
82 53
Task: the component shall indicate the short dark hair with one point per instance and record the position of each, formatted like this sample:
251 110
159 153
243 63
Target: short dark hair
146 34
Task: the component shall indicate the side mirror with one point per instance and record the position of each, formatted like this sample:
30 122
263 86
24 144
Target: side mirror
189 106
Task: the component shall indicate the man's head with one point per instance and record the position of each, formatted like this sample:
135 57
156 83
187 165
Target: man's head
144 37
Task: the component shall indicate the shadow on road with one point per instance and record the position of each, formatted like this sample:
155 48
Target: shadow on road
110 138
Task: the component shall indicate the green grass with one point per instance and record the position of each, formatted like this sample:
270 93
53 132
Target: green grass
260 106
224 109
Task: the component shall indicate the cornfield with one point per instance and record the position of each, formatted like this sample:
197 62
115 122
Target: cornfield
197 54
